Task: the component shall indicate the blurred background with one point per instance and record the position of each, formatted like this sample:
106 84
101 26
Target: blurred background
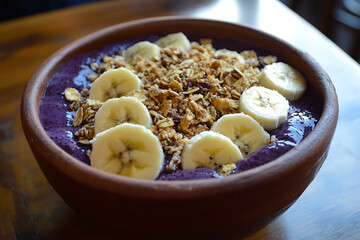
339 20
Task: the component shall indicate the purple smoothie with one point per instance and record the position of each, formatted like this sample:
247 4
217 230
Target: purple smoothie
56 116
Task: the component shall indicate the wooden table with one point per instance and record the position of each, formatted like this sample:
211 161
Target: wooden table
31 209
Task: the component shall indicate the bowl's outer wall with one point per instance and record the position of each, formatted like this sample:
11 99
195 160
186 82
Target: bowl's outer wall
242 203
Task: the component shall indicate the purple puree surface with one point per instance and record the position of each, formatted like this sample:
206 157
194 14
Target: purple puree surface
56 116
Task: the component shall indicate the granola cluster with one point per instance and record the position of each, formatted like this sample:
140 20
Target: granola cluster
184 92
85 110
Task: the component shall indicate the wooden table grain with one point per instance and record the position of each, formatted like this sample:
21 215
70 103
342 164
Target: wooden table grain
31 209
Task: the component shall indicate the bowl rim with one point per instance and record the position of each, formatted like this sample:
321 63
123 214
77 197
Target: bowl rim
182 189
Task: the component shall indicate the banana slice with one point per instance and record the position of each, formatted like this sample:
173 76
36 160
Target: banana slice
243 130
178 40
210 150
114 83
284 79
268 107
231 54
129 150
145 49
121 110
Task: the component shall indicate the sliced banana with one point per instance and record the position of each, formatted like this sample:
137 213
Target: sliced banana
231 54
145 49
121 110
268 107
178 40
284 79
210 150
129 150
114 83
243 130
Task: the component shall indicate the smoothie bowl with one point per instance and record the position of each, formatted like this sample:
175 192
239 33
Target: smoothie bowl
179 126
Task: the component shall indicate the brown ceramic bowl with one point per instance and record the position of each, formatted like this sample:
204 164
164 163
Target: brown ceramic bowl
238 204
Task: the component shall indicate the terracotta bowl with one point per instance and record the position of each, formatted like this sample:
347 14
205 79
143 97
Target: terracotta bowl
234 205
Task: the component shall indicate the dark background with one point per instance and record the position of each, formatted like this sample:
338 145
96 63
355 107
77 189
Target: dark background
339 20
11 9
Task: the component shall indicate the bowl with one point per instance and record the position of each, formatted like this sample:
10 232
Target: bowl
236 205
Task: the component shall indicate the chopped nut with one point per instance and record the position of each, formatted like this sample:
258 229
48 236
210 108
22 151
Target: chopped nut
200 128
94 66
176 86
93 104
85 92
78 117
203 116
269 59
250 57
86 132
184 125
85 141
164 123
104 67
174 163
78 103
195 89
72 94
227 169
92 76
272 139
89 115
166 107
107 59
139 94
225 105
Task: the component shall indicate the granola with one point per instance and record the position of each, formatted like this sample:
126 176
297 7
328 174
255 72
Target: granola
184 92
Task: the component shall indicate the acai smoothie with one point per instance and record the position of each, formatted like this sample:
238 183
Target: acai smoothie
180 94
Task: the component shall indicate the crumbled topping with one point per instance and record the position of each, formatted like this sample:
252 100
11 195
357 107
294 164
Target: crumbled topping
85 110
85 133
92 76
184 92
71 94
227 169
272 139
269 59
78 117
